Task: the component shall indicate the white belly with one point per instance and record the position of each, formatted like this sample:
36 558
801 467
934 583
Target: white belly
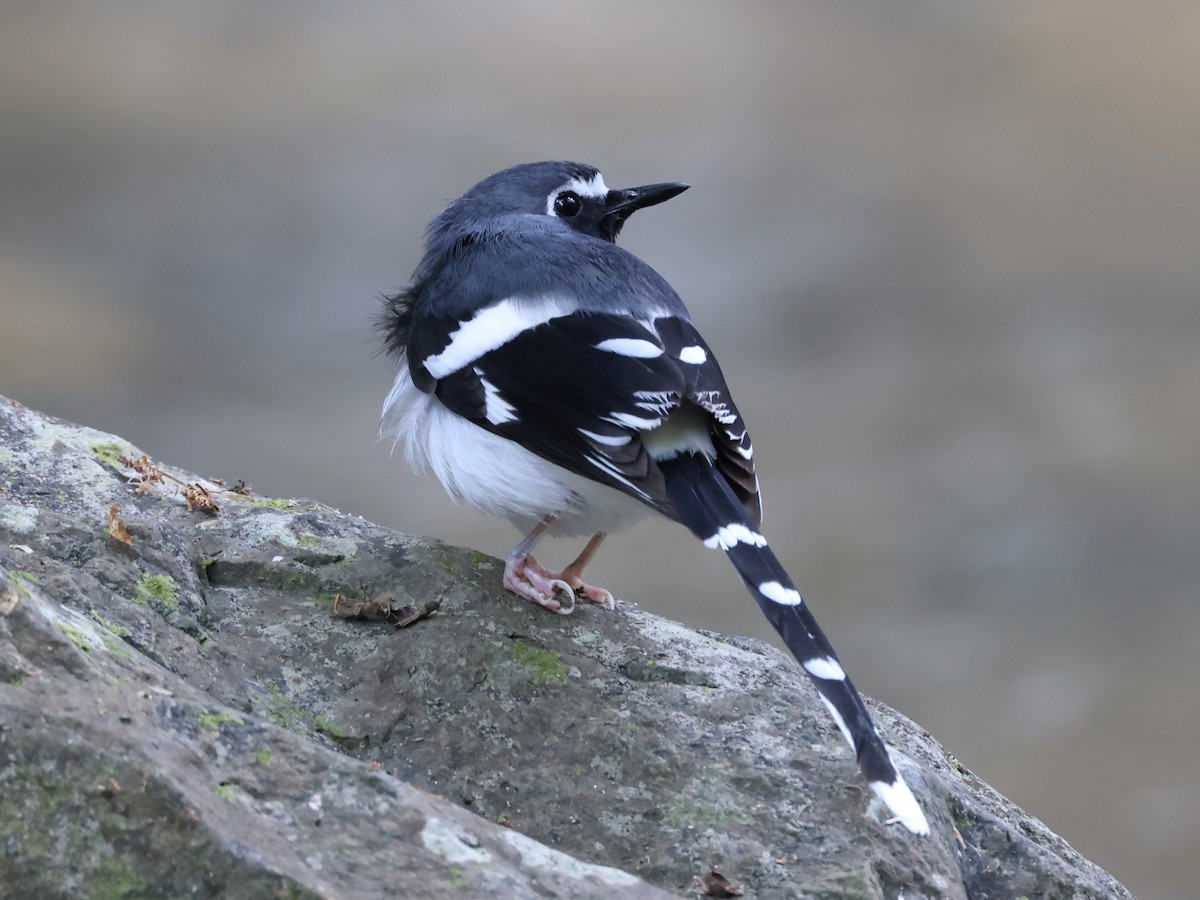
496 475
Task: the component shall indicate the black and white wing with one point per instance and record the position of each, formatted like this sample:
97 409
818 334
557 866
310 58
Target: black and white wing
583 389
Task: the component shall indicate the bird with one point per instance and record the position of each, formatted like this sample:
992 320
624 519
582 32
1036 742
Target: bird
549 376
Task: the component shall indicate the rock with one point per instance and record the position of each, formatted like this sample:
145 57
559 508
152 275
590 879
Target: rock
181 713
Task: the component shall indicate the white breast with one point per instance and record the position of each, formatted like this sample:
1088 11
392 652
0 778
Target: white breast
495 474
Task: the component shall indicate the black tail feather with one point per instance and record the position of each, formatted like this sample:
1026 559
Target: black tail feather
704 502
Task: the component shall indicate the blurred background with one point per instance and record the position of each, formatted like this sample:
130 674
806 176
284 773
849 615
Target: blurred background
948 254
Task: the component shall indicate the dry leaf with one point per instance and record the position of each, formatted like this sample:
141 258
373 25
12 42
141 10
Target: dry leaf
714 884
144 468
198 497
383 607
116 527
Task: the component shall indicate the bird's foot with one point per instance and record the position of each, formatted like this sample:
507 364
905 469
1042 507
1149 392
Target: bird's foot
530 579
527 578
597 595
573 575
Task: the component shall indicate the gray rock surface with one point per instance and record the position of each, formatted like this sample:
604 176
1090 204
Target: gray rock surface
182 714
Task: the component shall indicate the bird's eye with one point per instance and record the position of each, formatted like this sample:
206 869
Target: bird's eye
567 204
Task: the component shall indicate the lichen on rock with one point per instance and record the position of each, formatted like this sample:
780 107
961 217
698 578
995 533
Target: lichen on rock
185 715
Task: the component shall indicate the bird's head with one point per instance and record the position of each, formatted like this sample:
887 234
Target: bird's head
573 194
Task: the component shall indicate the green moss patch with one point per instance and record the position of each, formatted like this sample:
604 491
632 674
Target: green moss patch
162 588
546 665
110 454
212 721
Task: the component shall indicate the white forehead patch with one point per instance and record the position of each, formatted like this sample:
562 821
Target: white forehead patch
593 187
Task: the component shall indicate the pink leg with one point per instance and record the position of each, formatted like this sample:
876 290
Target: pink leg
573 575
526 577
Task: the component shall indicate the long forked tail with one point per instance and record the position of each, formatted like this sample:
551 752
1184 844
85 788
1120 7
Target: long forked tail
707 505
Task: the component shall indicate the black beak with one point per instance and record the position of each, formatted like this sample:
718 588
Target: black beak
624 203
620 205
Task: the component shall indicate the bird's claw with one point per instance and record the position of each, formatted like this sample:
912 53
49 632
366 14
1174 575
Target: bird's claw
597 595
530 579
